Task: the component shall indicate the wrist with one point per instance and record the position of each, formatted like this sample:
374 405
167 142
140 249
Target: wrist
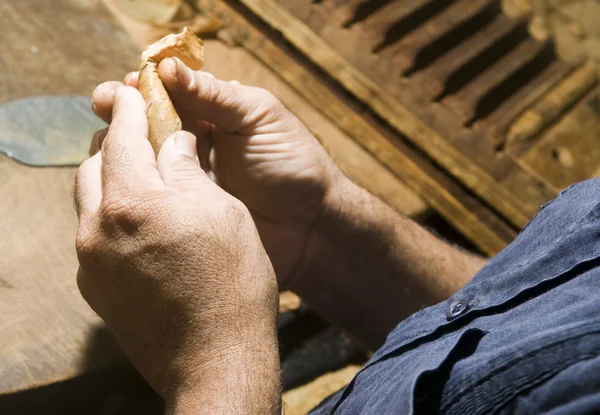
343 213
243 377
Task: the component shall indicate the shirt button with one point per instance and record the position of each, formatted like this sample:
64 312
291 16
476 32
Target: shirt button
457 308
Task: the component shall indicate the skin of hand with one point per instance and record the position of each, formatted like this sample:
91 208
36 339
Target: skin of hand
254 148
176 268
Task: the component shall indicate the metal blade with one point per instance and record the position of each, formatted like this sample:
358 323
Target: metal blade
48 130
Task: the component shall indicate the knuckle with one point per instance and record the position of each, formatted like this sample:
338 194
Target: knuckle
120 210
268 99
130 211
84 246
214 91
236 212
270 108
89 248
84 168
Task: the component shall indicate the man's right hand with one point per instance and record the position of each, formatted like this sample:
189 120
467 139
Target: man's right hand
259 152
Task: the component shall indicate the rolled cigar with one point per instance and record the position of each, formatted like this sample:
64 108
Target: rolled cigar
162 117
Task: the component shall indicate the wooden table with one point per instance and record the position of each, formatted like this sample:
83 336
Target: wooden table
47 332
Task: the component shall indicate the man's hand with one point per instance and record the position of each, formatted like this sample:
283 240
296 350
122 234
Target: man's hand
259 152
176 268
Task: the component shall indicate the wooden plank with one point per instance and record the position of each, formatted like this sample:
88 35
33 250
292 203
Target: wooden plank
465 102
515 209
558 156
345 10
47 332
497 124
304 398
301 8
402 53
473 219
435 78
547 110
379 22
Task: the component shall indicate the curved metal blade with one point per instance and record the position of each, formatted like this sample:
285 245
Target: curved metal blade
48 130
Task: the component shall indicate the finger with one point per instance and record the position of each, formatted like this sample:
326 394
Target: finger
204 142
132 79
128 158
97 140
229 107
235 83
88 186
178 163
103 99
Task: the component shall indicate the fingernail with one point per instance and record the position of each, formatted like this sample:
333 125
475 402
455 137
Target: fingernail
185 143
101 92
131 78
183 74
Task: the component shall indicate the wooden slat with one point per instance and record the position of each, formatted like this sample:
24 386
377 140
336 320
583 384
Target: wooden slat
378 23
558 156
497 124
401 54
300 8
304 398
343 10
435 77
552 105
476 221
465 101
514 208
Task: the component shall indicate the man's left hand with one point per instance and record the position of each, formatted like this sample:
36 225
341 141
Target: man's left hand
175 267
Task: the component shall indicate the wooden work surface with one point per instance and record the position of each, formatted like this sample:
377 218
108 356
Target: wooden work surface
47 332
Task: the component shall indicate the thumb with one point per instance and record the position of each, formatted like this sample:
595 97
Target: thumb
230 107
178 164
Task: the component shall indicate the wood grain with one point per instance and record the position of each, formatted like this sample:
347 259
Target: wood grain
47 332
303 399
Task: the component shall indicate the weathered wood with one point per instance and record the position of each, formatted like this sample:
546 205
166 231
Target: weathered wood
551 106
568 150
345 10
47 332
465 102
478 222
402 53
436 78
304 398
497 125
382 19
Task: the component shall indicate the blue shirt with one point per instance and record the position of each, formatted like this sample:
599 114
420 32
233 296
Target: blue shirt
522 337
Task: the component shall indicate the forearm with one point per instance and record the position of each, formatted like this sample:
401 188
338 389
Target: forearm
241 378
368 267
